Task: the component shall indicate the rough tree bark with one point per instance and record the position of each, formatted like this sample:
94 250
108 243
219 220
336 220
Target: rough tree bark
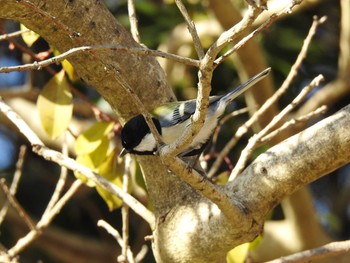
189 227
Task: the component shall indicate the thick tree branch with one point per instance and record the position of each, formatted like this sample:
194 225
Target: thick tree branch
293 163
66 25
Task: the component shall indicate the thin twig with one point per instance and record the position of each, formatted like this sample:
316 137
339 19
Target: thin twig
133 21
191 28
223 121
125 207
147 116
142 253
244 40
44 221
60 183
114 233
232 209
13 34
37 65
330 250
234 32
57 157
262 27
14 203
205 74
71 164
292 122
255 140
271 101
26 50
20 123
16 178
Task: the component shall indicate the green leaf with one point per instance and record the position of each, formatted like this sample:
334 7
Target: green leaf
55 106
89 140
29 37
112 170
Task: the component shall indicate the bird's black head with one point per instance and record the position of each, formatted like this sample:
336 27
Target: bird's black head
134 131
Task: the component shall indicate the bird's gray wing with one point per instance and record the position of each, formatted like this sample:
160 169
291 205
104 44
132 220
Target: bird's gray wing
173 113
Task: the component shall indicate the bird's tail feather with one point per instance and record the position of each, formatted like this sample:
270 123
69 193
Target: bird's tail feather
243 87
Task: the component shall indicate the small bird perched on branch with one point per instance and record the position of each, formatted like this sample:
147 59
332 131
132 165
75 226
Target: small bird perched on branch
172 119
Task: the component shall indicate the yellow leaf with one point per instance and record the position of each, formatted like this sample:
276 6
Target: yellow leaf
85 160
69 69
55 105
222 178
67 66
89 140
238 254
29 37
93 160
111 170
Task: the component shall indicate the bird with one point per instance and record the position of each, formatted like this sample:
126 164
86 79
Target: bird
171 120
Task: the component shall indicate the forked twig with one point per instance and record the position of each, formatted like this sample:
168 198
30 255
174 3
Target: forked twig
191 28
15 181
271 101
255 140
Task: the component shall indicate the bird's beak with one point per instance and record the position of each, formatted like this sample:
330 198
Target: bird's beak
123 152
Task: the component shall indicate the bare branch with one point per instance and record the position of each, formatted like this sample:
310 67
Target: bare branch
278 94
204 84
326 251
13 34
51 155
14 203
44 221
60 183
16 178
125 207
20 123
265 25
114 233
191 28
142 253
223 121
296 121
133 21
253 141
136 50
232 209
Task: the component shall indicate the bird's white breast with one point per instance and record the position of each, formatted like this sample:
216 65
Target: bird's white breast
171 133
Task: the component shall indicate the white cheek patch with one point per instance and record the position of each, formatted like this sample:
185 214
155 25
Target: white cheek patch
147 144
